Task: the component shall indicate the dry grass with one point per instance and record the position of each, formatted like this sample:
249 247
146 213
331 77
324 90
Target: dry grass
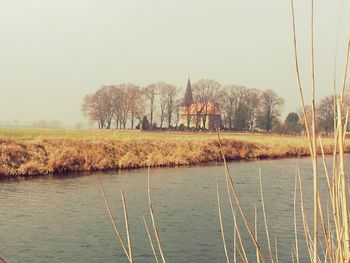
36 152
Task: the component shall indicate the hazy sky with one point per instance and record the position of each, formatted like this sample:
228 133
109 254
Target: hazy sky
54 52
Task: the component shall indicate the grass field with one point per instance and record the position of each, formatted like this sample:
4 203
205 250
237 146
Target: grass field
26 152
129 135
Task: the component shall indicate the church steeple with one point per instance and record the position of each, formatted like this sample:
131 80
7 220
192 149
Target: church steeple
188 98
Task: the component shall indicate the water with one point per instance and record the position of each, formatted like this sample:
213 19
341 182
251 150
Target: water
63 219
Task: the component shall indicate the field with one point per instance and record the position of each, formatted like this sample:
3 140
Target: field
27 152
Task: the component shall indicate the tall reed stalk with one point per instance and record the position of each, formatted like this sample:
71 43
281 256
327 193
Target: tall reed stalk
313 137
154 224
127 252
337 247
330 245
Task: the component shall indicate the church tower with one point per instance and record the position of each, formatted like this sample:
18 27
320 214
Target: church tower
185 116
188 98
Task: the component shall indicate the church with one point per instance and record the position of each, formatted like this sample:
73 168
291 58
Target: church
197 115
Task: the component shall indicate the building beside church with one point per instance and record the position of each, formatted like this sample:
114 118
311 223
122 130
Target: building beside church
198 115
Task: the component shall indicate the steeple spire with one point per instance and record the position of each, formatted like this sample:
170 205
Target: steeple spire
188 98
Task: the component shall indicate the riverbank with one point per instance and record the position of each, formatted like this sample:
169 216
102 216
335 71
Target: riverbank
26 152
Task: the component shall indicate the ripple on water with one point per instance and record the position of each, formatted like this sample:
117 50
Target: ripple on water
64 219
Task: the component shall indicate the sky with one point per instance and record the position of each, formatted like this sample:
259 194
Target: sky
53 53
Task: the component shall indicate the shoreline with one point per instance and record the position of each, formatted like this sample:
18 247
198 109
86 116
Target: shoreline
72 174
37 157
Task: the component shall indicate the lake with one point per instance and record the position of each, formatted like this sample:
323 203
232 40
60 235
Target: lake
64 219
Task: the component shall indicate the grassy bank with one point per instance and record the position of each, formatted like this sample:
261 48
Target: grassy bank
25 152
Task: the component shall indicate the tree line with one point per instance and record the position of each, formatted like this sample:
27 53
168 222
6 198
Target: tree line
157 106
127 105
325 116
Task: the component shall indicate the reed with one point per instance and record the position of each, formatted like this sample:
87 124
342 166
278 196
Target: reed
276 250
295 222
241 250
236 198
337 247
222 225
313 138
235 242
265 218
256 232
154 224
127 252
150 240
126 219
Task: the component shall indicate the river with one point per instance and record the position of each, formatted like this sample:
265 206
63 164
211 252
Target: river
64 219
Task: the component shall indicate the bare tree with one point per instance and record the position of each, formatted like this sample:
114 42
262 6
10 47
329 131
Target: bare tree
134 99
150 93
240 119
97 107
118 97
271 106
140 112
177 105
233 106
109 98
325 114
308 112
124 109
162 90
171 92
90 109
228 105
121 103
252 100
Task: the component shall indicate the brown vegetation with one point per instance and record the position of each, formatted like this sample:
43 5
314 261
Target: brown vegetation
40 155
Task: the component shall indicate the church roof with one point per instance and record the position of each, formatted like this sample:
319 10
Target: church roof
188 98
200 109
